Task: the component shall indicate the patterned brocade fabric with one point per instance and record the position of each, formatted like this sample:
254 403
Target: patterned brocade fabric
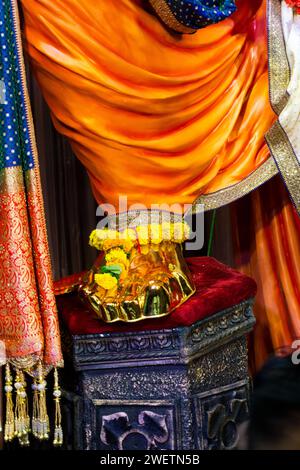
28 317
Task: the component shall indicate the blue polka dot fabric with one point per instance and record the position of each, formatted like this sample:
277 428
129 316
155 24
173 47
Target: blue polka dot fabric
15 140
196 14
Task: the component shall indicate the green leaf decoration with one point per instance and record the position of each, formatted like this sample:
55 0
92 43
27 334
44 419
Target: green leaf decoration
114 270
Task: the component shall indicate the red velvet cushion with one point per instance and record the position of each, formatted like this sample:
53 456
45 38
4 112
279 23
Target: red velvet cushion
218 287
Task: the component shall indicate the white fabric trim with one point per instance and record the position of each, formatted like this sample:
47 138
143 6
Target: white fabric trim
290 116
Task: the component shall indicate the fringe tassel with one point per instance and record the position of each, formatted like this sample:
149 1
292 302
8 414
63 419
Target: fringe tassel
22 420
35 407
9 427
17 422
58 432
40 419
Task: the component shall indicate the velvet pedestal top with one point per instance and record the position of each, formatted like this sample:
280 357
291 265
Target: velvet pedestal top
219 287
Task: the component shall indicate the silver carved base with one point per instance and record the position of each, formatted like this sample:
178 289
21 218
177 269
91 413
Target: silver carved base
180 389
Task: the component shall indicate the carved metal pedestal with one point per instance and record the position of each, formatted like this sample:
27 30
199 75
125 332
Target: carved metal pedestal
180 389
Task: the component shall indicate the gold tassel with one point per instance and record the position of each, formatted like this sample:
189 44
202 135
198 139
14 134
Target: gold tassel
35 407
40 419
9 428
22 421
58 432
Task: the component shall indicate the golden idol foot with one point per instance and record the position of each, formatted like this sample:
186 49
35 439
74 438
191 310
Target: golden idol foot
156 282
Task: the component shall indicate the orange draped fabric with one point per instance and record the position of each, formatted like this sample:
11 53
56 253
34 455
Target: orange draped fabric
153 115
267 244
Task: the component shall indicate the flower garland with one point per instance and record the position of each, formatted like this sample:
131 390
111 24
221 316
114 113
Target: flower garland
105 239
294 4
117 246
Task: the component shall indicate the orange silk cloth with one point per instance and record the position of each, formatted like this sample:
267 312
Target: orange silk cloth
153 115
267 247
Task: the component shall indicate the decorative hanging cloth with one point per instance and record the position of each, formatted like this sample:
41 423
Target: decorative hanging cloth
185 121
284 71
28 318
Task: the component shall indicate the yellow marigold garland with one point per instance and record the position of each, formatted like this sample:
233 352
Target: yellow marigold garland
117 245
116 255
107 281
106 239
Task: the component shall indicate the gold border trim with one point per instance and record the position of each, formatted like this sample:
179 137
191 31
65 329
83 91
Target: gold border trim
279 75
133 218
286 160
279 68
166 15
230 194
11 180
25 362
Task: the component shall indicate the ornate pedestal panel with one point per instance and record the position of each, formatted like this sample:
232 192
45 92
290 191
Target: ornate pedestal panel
175 389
